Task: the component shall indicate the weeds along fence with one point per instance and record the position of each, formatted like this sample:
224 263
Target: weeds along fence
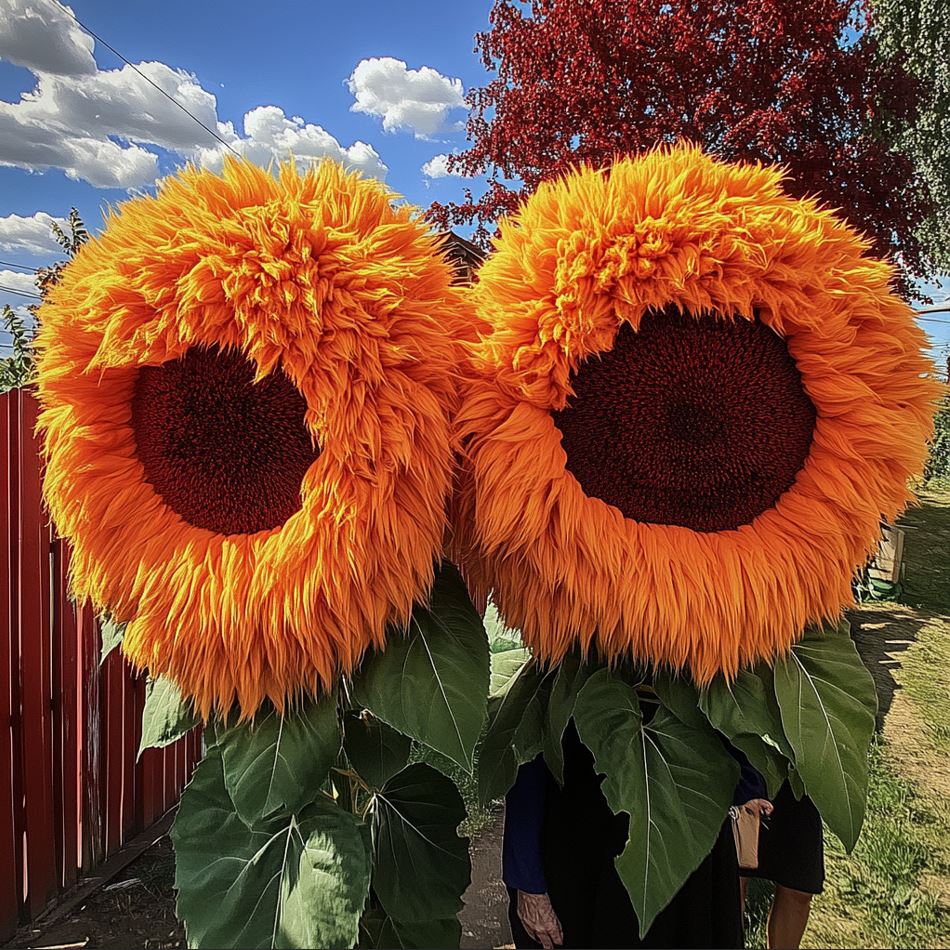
72 787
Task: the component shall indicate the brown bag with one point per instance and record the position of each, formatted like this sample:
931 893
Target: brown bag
745 830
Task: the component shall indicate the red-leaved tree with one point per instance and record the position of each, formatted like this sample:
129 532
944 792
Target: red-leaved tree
800 82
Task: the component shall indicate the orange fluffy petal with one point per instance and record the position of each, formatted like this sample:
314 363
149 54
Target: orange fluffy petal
596 249
319 274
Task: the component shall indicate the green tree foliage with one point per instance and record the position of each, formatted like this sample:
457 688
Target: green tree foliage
938 463
917 32
16 370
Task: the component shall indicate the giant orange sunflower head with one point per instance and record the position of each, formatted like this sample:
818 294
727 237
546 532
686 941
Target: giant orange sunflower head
248 385
698 399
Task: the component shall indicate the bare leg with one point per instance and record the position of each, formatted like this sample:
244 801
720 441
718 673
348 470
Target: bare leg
788 918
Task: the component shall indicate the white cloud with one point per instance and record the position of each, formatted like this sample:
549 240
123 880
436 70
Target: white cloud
414 99
269 134
101 162
14 280
43 37
120 102
96 124
30 234
438 167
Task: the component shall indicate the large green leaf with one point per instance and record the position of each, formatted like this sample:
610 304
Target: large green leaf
422 865
277 763
504 665
376 751
747 714
111 633
514 733
166 716
500 636
679 696
290 881
674 780
432 683
378 929
828 705
572 674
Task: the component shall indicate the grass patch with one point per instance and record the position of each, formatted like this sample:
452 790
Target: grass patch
926 679
881 885
876 896
892 890
927 550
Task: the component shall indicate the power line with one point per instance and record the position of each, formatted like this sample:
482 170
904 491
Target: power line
127 62
19 293
21 266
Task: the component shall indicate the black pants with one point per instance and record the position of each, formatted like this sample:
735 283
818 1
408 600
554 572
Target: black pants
791 849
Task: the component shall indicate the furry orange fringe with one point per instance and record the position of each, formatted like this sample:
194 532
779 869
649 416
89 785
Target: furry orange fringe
318 274
597 249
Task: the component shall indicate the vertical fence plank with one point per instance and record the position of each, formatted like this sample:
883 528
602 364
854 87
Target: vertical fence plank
16 692
34 632
168 766
66 685
132 716
151 787
114 727
90 736
9 881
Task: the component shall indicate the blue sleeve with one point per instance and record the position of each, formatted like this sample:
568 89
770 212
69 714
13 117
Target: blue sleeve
521 866
751 784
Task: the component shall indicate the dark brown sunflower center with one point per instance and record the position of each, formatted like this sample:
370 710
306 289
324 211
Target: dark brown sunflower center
226 453
702 423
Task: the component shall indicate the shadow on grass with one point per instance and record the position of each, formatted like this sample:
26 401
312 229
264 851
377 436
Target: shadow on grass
881 635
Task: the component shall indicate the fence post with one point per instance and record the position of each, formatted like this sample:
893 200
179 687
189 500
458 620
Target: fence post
11 886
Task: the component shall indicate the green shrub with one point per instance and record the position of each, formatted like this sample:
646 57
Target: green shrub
938 463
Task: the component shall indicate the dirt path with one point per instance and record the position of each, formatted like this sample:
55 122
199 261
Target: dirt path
485 917
137 910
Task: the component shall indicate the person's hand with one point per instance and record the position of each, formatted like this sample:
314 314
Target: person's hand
760 807
537 914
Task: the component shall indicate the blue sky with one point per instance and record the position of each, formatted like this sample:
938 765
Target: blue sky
373 83
295 57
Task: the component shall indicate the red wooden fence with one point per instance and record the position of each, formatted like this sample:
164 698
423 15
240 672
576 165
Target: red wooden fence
71 788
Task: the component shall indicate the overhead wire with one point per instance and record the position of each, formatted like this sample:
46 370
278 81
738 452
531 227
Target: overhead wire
20 266
132 65
19 293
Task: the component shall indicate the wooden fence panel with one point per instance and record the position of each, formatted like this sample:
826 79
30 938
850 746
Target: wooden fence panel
68 716
91 761
35 656
16 712
72 789
10 888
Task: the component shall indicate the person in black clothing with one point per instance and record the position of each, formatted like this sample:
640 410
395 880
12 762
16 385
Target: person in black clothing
792 855
558 864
